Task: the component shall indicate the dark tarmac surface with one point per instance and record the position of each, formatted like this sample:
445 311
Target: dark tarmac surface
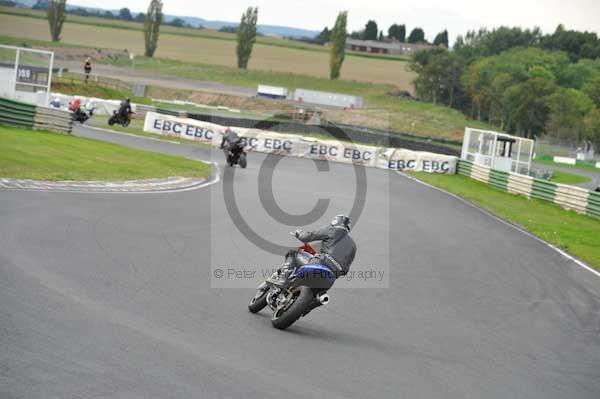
109 296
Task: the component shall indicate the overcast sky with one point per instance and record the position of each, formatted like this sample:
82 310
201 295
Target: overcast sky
433 16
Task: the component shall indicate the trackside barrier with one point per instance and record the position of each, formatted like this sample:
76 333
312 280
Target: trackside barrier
569 197
107 107
14 113
299 146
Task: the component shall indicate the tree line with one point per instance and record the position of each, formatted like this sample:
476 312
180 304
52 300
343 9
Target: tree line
124 14
396 32
519 80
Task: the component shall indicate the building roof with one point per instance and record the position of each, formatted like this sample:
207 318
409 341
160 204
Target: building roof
393 45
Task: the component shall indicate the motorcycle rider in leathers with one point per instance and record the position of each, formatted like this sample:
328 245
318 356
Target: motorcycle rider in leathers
337 252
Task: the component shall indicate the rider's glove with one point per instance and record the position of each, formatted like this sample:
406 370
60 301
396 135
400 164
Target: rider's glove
298 232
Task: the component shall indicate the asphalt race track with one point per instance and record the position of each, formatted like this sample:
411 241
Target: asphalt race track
109 296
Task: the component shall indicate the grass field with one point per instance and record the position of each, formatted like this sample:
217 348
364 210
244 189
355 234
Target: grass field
569 178
215 49
385 111
581 165
574 233
26 154
190 32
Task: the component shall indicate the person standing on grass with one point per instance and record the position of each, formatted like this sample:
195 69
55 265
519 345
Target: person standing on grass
87 67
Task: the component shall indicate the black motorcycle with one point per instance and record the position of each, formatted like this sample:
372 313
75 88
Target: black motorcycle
123 120
236 155
296 294
81 115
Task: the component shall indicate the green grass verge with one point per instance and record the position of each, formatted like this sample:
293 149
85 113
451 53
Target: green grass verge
582 165
568 230
568 178
68 86
26 154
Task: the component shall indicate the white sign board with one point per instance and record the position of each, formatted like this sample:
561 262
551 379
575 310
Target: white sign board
568 161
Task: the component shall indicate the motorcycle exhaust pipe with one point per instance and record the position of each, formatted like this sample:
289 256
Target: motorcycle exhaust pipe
323 299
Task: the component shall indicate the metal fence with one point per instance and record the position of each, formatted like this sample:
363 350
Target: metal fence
553 146
80 78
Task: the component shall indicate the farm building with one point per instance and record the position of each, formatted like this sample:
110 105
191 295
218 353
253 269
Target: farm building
385 47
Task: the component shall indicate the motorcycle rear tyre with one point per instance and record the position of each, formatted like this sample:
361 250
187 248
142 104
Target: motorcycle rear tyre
288 316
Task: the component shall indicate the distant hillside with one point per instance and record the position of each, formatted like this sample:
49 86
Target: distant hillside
267 30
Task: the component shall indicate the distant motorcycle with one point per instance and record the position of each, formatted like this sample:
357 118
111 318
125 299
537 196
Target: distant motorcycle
237 155
83 114
294 296
119 119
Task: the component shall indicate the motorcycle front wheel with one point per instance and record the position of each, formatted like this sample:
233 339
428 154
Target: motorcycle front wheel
111 121
243 163
126 122
259 301
300 299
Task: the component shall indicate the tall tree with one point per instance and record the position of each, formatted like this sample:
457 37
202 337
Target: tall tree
397 32
338 45
441 39
56 18
125 14
140 17
416 36
569 108
439 73
529 105
592 127
246 36
154 18
592 89
380 38
324 36
371 30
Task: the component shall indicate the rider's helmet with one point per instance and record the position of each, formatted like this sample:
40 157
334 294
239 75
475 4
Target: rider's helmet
342 221
127 100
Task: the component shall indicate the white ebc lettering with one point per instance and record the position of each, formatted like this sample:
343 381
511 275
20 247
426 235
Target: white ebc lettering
157 124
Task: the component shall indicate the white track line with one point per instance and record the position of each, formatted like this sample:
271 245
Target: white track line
560 251
213 180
